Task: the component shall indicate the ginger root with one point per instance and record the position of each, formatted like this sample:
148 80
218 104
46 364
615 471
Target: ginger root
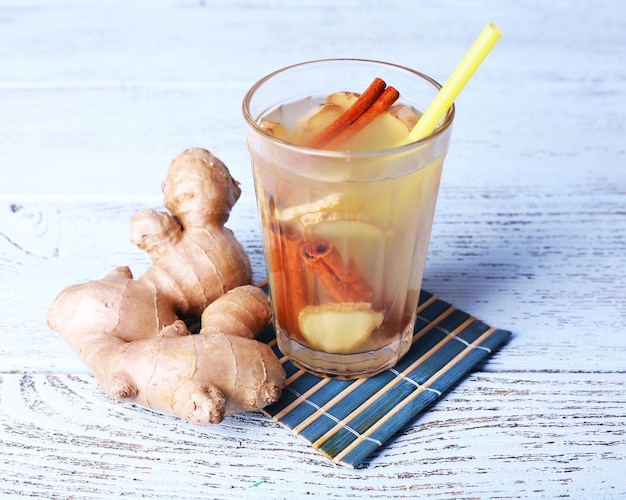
129 331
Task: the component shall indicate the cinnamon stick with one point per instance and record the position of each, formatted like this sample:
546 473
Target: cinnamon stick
289 277
341 279
382 104
360 106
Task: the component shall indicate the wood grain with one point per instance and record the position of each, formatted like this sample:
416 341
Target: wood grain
535 433
529 236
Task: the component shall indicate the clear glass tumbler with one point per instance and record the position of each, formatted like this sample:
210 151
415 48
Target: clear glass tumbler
345 233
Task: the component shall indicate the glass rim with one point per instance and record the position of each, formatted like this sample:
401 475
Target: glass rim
445 125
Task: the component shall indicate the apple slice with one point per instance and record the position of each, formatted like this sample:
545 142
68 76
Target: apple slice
360 239
387 130
338 226
322 115
343 99
405 114
276 129
339 328
317 119
331 207
316 210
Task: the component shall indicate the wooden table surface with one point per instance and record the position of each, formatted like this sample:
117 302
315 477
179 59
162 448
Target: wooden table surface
530 235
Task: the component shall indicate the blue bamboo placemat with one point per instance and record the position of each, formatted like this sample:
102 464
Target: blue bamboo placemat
347 420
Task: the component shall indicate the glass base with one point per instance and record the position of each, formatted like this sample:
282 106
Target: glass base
345 366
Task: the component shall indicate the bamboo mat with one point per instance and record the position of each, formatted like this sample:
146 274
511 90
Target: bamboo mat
349 420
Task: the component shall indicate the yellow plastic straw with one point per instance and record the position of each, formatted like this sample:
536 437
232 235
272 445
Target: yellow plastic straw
452 88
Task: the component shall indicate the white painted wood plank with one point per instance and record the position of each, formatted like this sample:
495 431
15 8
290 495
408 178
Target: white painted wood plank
113 141
119 141
46 247
90 118
96 98
527 435
550 272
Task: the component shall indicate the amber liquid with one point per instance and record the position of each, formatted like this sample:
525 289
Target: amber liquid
377 213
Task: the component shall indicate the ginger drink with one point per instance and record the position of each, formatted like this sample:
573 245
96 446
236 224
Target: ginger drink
346 215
